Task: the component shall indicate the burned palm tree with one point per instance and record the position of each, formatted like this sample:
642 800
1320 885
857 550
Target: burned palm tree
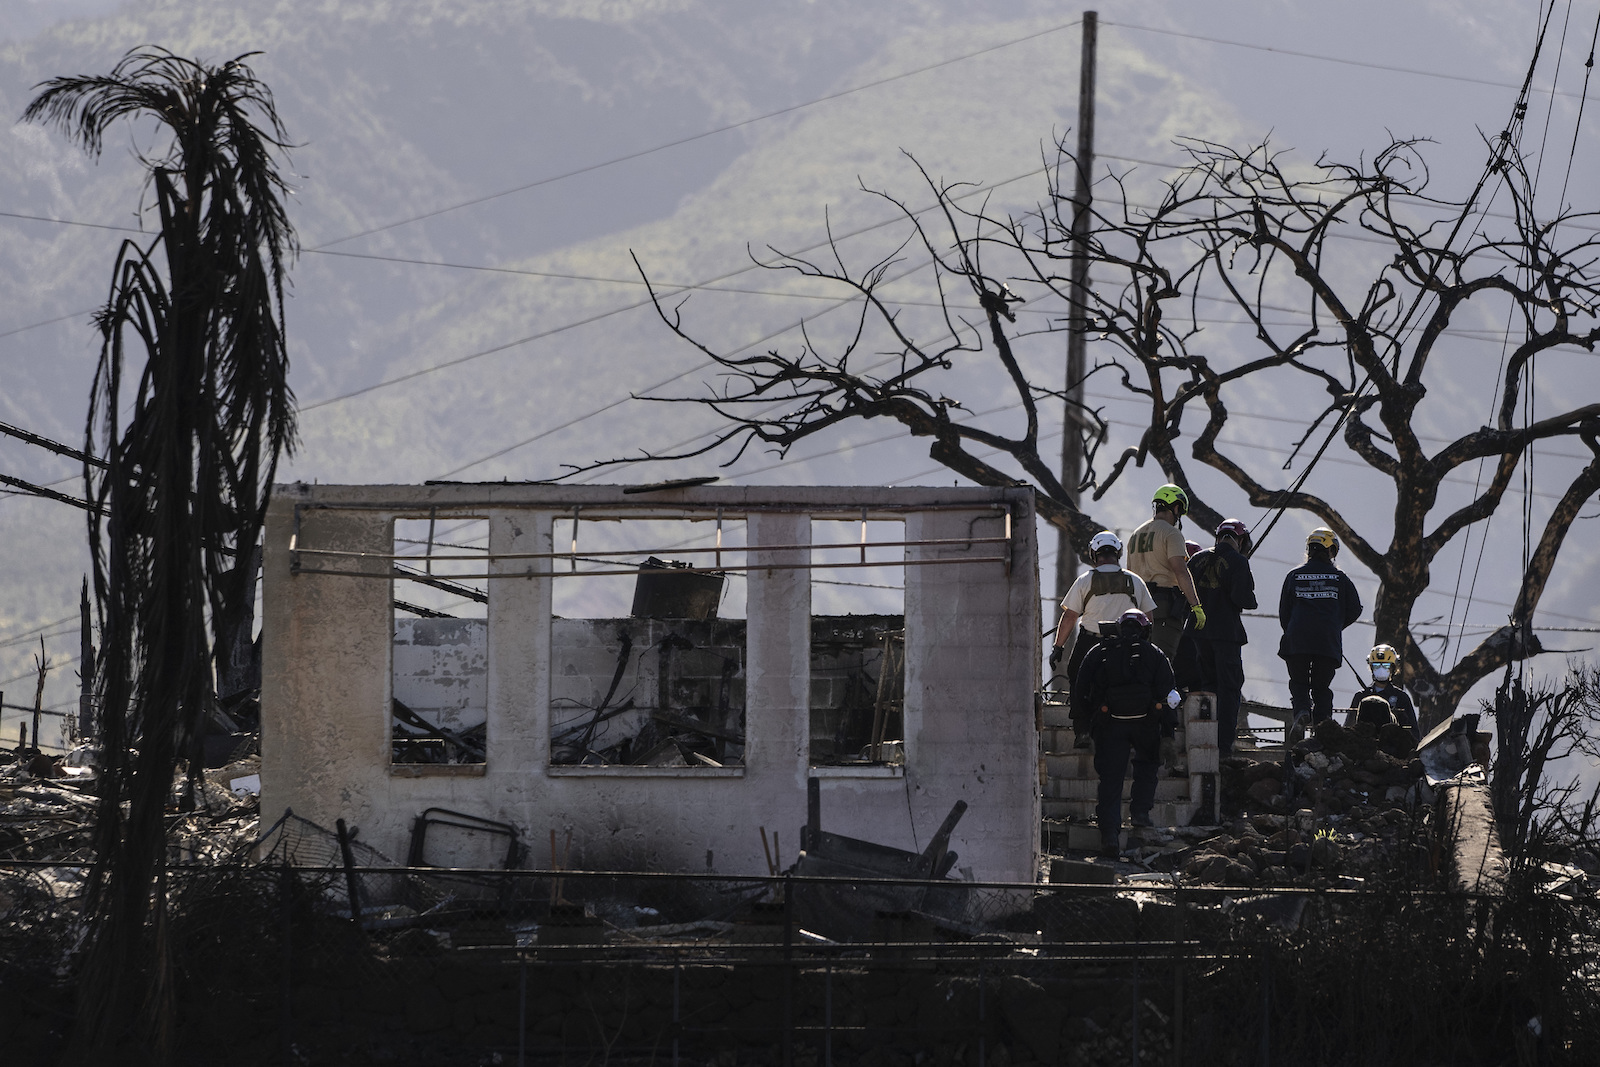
189 410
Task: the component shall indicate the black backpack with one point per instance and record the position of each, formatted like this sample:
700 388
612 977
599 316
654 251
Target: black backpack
1127 695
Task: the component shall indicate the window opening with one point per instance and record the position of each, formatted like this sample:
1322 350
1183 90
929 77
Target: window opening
858 629
648 665
440 653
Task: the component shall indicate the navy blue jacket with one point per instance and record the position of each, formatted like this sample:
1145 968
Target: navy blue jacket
1405 712
1222 578
1318 601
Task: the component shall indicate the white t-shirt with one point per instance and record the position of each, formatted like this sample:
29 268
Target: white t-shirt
1092 610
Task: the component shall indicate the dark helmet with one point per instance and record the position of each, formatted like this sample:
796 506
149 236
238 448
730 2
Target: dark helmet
1190 548
1236 529
1134 623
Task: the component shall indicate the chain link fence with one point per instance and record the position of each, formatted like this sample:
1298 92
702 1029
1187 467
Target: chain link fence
326 952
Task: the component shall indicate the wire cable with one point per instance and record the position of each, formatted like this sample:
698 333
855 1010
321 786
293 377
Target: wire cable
1588 69
978 190
590 168
1313 55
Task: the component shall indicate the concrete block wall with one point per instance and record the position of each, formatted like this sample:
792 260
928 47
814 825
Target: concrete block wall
972 668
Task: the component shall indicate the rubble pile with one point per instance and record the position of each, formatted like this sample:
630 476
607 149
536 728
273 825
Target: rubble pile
1335 771
46 807
47 811
1347 804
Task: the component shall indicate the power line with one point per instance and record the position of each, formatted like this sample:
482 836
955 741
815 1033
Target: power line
53 446
641 303
49 322
47 634
665 381
38 629
54 663
699 136
1467 333
1323 58
73 222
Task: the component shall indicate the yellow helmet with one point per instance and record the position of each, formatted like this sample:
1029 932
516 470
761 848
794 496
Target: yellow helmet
1173 497
1324 537
1383 654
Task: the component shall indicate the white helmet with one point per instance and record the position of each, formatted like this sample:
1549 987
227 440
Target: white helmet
1105 541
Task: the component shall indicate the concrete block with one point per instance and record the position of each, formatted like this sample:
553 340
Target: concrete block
1064 808
1072 872
1200 735
1055 741
1081 834
1204 759
1072 763
1167 789
1199 706
1057 714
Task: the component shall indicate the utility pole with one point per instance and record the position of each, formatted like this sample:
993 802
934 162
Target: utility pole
85 668
1077 324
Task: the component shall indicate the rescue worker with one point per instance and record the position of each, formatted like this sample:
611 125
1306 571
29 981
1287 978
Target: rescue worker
1124 690
1317 602
1156 554
1099 595
1226 586
1384 663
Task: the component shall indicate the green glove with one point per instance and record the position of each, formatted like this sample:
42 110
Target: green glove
1199 614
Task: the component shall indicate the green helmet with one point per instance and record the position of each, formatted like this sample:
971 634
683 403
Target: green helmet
1171 496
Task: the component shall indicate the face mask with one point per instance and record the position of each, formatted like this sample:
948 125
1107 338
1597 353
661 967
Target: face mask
1380 673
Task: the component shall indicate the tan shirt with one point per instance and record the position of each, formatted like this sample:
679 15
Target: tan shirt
1150 550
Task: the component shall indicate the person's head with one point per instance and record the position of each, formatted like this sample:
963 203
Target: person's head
1171 500
1321 544
1235 533
1105 547
1384 661
1134 625
1190 548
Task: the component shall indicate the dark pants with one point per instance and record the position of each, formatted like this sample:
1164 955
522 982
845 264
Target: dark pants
1087 639
1168 620
1114 741
1311 685
1187 673
1222 673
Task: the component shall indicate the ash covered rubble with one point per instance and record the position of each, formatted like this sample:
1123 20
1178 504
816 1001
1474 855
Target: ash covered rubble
1347 804
48 804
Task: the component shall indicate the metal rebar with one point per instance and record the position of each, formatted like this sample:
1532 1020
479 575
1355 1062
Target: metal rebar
827 1016
788 972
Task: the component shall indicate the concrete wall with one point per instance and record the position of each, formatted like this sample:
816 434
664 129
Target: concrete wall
971 670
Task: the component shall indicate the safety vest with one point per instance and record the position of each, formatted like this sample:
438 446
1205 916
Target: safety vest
1109 583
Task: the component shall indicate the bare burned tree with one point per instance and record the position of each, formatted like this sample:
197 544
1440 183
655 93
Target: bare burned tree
1538 731
1346 278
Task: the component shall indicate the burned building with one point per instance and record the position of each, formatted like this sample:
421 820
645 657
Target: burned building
658 673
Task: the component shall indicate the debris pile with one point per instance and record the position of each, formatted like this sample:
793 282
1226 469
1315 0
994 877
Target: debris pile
1346 804
1336 771
48 803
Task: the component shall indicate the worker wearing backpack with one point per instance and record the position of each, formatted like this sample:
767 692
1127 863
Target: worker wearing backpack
1124 690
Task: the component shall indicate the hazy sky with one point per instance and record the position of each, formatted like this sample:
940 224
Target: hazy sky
529 136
